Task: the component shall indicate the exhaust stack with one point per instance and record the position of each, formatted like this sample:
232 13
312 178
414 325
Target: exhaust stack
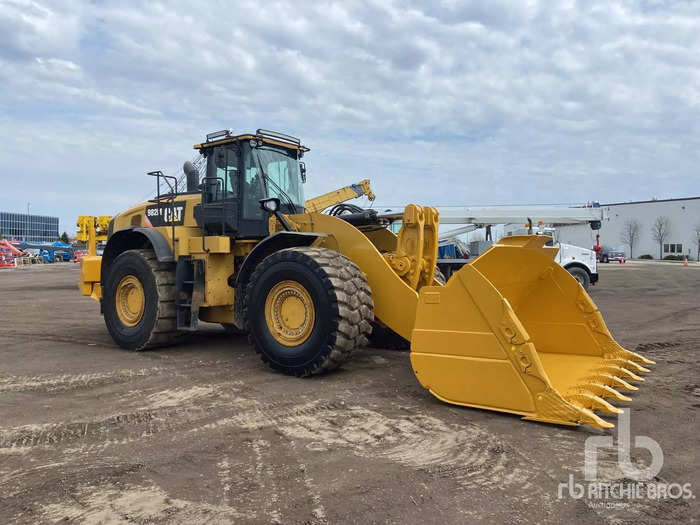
192 176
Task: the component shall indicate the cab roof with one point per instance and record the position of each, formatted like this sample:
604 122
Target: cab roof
261 136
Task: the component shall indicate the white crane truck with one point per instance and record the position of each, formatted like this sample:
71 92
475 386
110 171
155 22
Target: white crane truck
579 262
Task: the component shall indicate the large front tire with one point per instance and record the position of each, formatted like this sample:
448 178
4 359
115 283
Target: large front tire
139 301
307 310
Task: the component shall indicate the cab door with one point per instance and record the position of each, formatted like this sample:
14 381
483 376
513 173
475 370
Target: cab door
219 212
254 221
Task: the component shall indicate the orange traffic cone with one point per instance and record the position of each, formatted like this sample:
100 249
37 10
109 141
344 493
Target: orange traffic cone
685 261
622 261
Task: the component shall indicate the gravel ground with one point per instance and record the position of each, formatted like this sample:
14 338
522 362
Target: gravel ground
203 432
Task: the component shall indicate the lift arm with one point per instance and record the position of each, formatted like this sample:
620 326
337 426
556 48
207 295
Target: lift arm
320 203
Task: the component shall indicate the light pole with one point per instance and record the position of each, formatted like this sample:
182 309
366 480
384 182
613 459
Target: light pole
28 204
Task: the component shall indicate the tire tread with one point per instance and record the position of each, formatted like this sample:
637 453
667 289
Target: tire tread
164 330
352 295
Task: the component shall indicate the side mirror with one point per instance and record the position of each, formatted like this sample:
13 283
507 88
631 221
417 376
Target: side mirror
271 205
302 170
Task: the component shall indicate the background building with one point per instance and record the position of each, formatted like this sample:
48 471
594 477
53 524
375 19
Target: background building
24 227
683 220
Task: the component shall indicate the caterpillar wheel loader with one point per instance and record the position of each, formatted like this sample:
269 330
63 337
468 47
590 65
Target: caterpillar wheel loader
512 331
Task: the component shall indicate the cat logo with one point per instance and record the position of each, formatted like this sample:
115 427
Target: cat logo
166 214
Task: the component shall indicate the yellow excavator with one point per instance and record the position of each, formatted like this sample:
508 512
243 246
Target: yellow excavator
512 331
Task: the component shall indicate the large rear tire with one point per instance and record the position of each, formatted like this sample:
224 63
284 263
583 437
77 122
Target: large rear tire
307 310
139 301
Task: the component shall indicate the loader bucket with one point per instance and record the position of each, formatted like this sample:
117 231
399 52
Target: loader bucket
515 332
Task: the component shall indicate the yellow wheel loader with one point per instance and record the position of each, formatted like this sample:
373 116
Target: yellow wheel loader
512 331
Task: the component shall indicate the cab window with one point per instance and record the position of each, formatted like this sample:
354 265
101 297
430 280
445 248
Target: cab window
223 173
253 188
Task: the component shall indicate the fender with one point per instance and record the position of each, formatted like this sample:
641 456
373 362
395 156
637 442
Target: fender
578 265
269 245
593 277
136 237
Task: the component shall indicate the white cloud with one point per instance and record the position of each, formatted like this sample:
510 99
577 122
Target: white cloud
450 102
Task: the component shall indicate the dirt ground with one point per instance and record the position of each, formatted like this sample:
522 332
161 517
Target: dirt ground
203 432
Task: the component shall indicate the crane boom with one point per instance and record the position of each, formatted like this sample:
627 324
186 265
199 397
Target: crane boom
485 215
320 203
475 217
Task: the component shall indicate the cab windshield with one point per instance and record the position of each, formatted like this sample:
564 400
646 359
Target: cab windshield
283 180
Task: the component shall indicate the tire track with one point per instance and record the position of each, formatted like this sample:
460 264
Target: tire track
468 454
319 515
56 338
134 504
53 434
51 383
168 410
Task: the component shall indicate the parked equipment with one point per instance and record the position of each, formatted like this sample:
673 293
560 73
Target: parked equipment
92 230
8 253
78 255
6 257
581 263
49 252
512 331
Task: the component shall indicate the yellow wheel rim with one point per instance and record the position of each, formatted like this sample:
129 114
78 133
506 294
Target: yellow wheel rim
289 313
130 300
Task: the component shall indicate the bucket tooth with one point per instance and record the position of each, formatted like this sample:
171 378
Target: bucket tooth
634 356
628 364
605 391
608 392
593 402
621 383
636 367
615 381
598 388
620 372
628 374
591 418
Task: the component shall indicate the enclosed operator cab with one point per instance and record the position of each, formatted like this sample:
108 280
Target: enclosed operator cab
241 171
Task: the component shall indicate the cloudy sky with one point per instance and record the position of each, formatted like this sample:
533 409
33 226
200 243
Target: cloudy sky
473 102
